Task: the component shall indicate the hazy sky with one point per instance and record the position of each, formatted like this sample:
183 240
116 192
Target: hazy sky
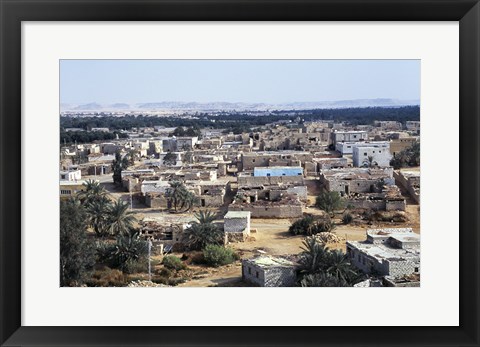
269 81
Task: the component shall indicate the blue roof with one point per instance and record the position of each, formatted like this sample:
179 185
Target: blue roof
278 171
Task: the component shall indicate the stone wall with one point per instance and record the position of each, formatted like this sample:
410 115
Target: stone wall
408 184
311 168
211 200
235 237
269 276
375 205
353 186
400 268
395 205
314 187
158 201
272 211
269 180
300 191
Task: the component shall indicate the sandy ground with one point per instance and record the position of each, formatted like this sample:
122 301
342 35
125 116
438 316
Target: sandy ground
269 236
272 237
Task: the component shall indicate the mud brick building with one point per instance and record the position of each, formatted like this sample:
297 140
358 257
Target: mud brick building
387 252
266 271
236 226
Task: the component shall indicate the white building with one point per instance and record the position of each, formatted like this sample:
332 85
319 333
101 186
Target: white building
373 155
387 252
154 187
347 147
349 136
71 176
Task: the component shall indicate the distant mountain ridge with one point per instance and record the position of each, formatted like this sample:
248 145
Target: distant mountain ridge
238 106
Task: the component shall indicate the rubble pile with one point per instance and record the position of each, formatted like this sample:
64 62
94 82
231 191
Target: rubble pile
327 237
144 283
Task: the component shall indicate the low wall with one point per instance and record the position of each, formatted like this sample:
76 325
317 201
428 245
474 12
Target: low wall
276 211
156 202
375 205
395 205
402 180
269 180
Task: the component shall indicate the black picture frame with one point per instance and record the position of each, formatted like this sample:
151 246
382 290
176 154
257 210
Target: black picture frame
13 12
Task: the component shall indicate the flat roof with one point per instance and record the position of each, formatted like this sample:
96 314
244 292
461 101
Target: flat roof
267 261
357 173
277 167
384 252
389 231
237 214
72 183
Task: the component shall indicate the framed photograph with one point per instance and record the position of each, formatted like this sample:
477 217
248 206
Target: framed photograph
241 173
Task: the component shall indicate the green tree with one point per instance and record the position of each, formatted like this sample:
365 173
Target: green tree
98 216
203 232
170 159
312 259
205 217
338 265
128 253
179 131
77 253
120 220
322 280
132 156
118 165
189 199
188 157
329 202
408 157
322 267
93 192
175 193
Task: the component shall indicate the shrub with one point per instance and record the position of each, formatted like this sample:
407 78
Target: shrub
107 278
173 263
301 226
323 225
310 225
329 202
347 218
194 257
166 272
129 253
218 255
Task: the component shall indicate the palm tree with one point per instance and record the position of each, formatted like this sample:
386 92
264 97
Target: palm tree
369 162
188 157
118 165
93 192
339 266
205 217
120 219
170 159
188 201
98 214
312 259
132 156
176 193
322 280
203 232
